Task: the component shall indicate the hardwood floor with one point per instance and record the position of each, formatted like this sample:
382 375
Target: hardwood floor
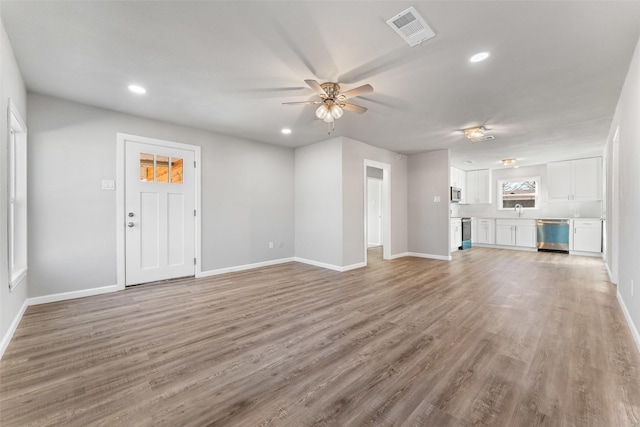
494 337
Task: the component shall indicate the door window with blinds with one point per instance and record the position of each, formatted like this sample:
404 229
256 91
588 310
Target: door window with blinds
163 169
518 191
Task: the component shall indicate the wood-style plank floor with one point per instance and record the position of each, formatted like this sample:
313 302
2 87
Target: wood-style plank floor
492 338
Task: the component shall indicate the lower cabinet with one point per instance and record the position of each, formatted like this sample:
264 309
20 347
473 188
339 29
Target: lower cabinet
484 231
516 232
587 236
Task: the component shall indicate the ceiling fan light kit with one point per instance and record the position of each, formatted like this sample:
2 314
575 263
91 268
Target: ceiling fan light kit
332 103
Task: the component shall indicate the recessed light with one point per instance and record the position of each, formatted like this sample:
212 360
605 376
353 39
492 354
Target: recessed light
137 89
509 162
286 131
479 57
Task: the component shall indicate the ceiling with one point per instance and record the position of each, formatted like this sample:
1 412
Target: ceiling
547 92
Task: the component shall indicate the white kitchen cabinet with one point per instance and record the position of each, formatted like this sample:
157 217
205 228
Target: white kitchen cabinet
575 180
456 234
478 186
587 236
485 232
516 232
458 180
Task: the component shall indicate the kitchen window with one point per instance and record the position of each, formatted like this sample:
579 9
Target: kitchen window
518 191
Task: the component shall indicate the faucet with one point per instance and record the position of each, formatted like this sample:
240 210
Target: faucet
518 208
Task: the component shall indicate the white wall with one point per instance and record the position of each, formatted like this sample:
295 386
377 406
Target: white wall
247 195
318 202
11 86
428 221
628 197
546 209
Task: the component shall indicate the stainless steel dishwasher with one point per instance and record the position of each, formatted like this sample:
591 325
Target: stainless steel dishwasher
553 235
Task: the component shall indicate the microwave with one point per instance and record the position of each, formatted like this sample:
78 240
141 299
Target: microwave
456 194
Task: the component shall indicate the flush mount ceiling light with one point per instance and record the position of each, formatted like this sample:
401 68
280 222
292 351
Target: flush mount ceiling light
474 133
286 131
478 57
509 162
137 89
477 134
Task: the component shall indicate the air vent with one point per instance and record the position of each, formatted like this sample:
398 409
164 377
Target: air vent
483 138
411 27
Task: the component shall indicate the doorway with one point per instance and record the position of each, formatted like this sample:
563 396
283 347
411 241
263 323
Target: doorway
377 229
374 208
158 196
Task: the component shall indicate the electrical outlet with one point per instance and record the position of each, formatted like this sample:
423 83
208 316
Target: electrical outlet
270 245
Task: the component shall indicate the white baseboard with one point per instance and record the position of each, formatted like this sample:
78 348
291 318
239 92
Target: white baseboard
430 256
400 255
627 316
591 254
330 266
353 266
243 267
72 295
515 248
6 339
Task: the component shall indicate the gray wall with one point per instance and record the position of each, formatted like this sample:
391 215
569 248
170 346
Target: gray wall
428 176
11 86
318 202
628 176
353 184
330 201
247 195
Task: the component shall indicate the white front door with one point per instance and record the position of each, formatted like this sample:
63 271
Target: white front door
160 212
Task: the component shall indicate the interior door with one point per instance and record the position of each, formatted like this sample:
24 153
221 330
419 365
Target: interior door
160 209
374 212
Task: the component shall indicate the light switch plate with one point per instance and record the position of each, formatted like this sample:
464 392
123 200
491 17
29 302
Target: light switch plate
108 184
436 199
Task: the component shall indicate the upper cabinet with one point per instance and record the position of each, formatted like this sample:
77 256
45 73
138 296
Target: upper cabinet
478 186
575 180
458 180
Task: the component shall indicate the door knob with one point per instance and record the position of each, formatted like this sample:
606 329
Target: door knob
130 224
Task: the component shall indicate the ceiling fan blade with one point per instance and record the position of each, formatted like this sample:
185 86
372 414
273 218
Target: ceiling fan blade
357 91
352 107
302 102
316 87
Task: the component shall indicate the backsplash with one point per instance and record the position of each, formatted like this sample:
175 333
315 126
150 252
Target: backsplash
547 210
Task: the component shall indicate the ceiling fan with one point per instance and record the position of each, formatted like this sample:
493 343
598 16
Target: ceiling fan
332 101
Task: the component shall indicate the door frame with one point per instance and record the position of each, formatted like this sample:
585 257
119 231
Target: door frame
121 201
386 208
